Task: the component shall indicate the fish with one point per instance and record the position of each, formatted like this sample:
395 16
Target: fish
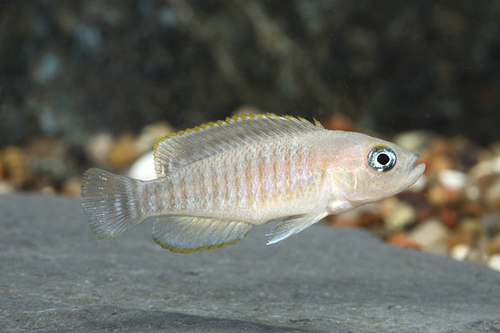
218 180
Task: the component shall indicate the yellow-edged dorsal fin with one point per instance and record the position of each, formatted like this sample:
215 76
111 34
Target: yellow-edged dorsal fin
183 148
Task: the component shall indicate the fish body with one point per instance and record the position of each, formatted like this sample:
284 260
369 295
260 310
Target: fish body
217 181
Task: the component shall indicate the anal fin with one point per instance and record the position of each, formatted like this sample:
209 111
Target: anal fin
292 225
186 234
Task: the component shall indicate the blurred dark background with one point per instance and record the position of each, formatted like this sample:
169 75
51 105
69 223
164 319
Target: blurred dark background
75 68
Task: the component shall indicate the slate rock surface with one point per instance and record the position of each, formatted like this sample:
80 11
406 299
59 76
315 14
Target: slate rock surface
55 276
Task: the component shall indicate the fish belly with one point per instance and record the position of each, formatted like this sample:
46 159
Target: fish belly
254 184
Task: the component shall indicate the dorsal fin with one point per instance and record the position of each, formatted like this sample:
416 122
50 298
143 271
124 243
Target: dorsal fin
183 148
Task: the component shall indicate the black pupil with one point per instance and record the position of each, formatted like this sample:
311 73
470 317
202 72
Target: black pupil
383 159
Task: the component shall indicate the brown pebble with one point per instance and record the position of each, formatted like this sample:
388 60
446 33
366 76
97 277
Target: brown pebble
71 187
439 162
492 194
15 166
468 233
459 238
369 219
424 213
41 146
401 238
42 184
339 121
418 200
400 215
471 226
123 151
344 222
440 146
448 216
437 195
470 208
431 235
494 245
453 195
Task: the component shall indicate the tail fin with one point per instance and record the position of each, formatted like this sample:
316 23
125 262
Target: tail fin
110 202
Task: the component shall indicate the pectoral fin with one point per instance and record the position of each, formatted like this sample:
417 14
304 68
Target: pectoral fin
292 225
186 234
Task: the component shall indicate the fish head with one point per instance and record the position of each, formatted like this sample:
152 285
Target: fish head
370 169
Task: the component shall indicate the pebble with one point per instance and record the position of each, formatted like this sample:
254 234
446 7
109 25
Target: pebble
401 238
144 167
363 216
483 169
494 245
150 134
453 209
439 162
448 216
431 236
494 262
496 164
468 233
15 166
417 141
71 186
6 187
478 256
492 195
490 221
397 214
460 251
338 121
123 151
99 148
452 179
438 195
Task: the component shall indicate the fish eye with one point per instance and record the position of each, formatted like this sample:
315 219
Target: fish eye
381 158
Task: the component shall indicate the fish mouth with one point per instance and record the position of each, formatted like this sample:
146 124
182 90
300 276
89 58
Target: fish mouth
416 170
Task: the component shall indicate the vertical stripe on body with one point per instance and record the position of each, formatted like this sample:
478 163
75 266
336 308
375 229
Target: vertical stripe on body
258 179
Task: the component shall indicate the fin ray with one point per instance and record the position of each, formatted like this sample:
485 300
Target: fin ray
186 234
183 148
110 203
292 225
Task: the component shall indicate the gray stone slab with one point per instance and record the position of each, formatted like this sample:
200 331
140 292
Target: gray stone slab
55 276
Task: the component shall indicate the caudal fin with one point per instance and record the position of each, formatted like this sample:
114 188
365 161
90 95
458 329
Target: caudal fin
110 202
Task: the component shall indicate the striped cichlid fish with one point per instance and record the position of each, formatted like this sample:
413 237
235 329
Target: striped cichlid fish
216 181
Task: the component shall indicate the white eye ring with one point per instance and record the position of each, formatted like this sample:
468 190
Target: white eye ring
381 158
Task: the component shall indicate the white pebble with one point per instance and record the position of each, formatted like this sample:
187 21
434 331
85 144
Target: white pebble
452 179
430 235
143 168
494 262
460 251
473 193
496 165
401 215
